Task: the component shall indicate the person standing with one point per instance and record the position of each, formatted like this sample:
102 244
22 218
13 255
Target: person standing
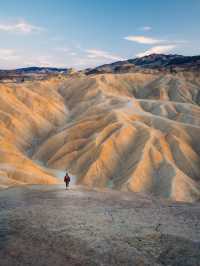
67 180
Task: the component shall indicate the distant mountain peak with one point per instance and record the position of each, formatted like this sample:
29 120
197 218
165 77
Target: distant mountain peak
28 73
163 62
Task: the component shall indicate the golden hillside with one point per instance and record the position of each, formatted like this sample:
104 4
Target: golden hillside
137 132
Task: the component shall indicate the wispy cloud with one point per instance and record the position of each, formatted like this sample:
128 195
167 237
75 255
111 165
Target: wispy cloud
10 59
41 61
146 28
157 50
8 55
143 39
99 54
20 27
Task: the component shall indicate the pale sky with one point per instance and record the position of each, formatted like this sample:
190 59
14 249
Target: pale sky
87 33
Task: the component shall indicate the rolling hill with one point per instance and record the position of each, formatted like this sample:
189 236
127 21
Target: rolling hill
136 131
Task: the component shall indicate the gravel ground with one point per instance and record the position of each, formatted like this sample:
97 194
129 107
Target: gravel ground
47 225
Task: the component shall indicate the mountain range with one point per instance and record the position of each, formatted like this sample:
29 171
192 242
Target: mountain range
159 62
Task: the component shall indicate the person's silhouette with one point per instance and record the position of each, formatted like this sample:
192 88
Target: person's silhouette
67 180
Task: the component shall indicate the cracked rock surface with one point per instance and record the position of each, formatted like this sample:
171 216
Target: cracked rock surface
47 225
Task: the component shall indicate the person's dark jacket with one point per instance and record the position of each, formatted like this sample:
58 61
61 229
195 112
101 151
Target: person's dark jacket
66 178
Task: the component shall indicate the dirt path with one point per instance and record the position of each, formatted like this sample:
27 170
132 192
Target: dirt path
46 225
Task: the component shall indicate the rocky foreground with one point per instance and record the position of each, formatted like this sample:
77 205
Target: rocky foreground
46 225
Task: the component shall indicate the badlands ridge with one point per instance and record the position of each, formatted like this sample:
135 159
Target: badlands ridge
131 131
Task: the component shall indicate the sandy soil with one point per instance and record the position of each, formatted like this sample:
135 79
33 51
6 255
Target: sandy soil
47 225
